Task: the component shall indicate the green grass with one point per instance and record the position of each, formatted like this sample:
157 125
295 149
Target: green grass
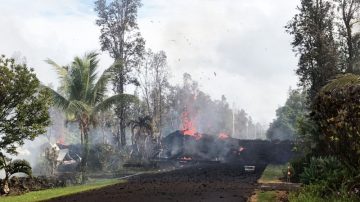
266 196
308 197
272 173
57 192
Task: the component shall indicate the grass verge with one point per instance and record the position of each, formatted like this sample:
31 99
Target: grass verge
272 174
266 196
57 192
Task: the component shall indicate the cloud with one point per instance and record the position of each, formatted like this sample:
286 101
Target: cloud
243 41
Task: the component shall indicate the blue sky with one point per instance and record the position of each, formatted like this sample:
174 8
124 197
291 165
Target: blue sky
243 41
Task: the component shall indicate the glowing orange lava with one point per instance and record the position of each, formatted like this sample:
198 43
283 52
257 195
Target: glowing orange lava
188 127
223 136
186 158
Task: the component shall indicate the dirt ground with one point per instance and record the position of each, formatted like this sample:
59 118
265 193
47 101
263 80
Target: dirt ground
216 182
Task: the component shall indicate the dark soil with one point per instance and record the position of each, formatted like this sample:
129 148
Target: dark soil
204 182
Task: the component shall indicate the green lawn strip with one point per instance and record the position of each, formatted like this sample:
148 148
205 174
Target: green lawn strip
266 196
272 173
57 192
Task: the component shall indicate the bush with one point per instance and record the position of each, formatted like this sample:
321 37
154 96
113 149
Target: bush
297 166
310 193
336 111
326 174
99 157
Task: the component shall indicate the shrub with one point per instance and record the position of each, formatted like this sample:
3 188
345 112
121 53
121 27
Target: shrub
326 172
99 157
297 166
336 111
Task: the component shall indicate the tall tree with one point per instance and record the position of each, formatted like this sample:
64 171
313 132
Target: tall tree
287 116
349 10
153 78
120 37
83 96
313 41
24 106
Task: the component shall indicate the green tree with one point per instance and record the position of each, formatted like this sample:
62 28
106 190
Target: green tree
349 39
120 37
153 79
313 41
143 127
287 116
24 113
83 96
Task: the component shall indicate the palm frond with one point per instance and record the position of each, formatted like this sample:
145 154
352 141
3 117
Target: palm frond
62 72
116 99
19 166
342 81
78 107
59 100
100 87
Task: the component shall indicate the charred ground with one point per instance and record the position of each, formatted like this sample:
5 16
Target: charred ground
201 182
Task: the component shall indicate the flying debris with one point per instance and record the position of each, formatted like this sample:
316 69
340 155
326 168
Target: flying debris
214 73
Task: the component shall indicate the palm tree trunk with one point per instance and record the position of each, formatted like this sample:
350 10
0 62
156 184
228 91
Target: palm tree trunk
85 146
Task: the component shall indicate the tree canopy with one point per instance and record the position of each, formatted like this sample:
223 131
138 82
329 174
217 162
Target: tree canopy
287 116
24 105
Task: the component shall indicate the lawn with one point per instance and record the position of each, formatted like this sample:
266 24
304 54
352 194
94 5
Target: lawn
57 192
267 196
272 173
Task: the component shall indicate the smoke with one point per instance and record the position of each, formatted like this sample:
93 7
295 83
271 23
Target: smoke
193 110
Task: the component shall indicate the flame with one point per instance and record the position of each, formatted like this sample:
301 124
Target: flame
186 158
188 127
223 136
61 139
241 149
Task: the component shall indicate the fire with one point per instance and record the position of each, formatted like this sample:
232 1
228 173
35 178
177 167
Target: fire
223 136
61 139
188 127
186 158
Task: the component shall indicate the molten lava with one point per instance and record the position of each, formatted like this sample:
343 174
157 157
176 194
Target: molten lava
186 158
223 136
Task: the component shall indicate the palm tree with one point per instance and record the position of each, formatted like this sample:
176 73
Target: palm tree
11 167
144 132
82 96
143 126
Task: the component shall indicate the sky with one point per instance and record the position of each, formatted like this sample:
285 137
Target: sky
236 48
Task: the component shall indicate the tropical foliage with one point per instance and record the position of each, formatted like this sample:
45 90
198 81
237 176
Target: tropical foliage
120 37
12 167
24 105
287 117
142 135
337 112
82 95
23 114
